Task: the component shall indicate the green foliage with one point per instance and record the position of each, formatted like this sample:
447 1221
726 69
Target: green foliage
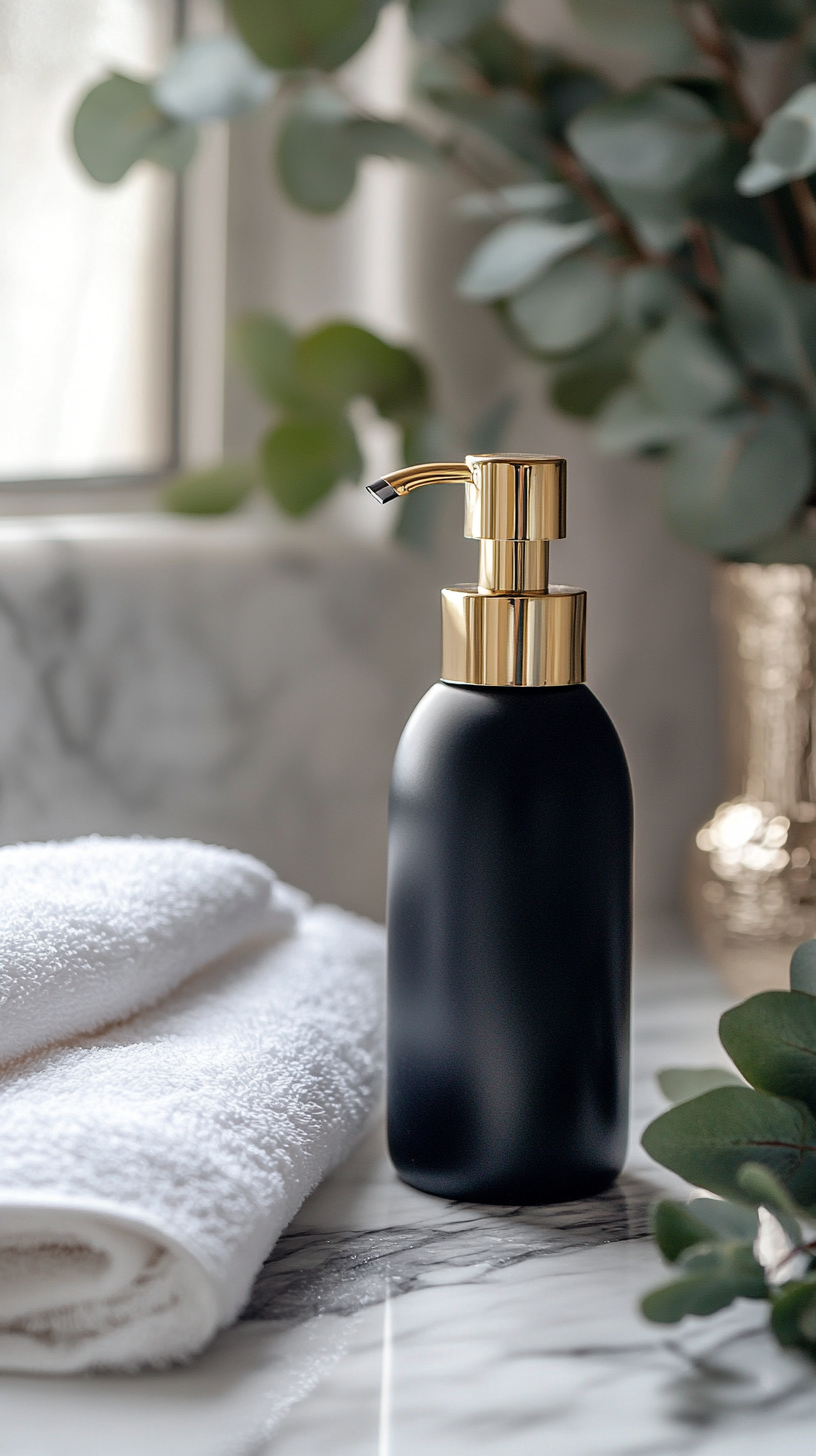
118 125
708 1139
732 481
680 1084
761 319
651 27
764 19
677 1227
448 21
211 492
517 252
772 1040
632 253
566 308
310 381
294 35
585 382
793 1315
656 139
755 1145
713 1277
785 147
302 460
210 77
803 968
323 141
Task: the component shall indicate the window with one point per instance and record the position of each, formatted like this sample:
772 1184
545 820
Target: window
88 275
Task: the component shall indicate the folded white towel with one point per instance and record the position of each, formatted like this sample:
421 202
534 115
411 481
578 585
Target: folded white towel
95 929
145 1172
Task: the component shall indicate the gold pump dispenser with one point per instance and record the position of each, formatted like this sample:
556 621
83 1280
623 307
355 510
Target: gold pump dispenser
513 629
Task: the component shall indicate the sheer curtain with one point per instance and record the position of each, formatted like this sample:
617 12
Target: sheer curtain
85 271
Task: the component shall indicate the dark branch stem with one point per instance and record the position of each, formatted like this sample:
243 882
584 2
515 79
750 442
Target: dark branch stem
704 261
712 39
615 224
805 204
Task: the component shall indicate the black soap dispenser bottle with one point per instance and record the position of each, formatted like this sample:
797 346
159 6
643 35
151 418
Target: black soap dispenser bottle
509 876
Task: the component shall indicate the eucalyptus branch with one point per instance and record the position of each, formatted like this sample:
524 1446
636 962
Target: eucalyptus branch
713 41
613 221
705 262
805 205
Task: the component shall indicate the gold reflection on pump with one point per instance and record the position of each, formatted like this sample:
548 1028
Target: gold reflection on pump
512 629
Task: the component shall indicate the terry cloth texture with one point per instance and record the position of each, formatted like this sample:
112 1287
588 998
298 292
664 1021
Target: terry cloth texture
95 929
146 1171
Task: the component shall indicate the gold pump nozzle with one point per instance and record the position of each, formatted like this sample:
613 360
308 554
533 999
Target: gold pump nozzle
512 629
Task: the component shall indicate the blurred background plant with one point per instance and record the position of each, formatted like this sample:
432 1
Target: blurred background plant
654 247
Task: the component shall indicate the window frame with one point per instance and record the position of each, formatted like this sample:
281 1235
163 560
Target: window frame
191 194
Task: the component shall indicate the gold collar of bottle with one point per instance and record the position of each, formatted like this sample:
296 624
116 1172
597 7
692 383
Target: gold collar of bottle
512 629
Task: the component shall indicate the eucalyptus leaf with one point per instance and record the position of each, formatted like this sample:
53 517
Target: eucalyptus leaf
302 460
685 371
303 34
675 1228
264 349
794 545
803 968
712 1279
764 19
340 361
652 28
322 142
793 1315
772 1039
631 422
657 138
648 294
212 76
785 147
565 90
658 218
707 1140
210 492
680 1084
725 1220
449 21
732 482
316 160
764 1189
761 318
517 252
507 117
803 298
572 303
118 125
375 138
584 383
520 197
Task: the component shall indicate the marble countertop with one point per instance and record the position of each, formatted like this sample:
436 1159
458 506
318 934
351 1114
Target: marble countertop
389 1323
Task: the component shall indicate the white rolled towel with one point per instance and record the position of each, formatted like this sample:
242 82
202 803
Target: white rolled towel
146 1171
94 929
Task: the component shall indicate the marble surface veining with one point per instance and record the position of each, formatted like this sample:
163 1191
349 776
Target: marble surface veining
222 679
389 1323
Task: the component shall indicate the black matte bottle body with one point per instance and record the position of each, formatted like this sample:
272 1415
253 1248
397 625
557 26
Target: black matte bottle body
509 945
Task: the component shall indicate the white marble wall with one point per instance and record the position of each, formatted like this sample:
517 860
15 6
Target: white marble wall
221 679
